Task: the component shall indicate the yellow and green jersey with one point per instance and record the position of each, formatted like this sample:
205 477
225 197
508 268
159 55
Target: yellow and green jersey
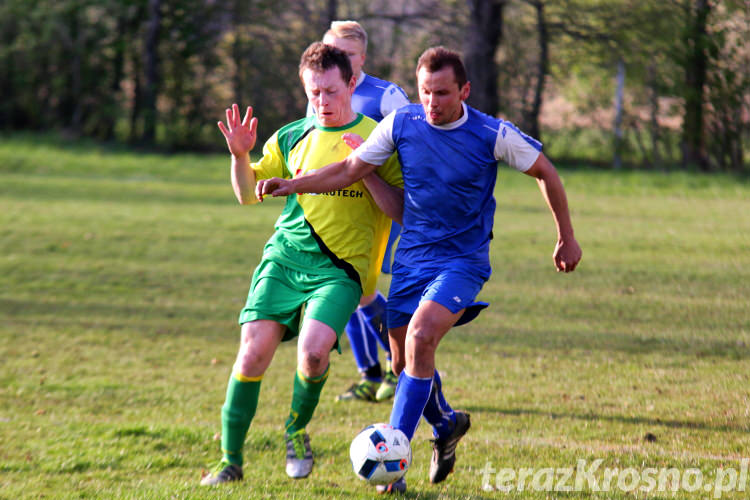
341 233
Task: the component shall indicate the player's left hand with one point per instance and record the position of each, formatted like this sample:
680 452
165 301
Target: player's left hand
567 255
352 140
274 186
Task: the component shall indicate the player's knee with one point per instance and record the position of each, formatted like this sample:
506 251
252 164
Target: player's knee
251 361
313 362
421 346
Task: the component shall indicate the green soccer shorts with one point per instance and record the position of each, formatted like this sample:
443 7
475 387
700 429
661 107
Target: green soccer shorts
278 293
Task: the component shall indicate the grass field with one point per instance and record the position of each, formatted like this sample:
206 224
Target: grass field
121 275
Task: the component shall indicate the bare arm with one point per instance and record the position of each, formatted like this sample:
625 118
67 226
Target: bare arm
389 198
334 176
243 180
241 137
567 252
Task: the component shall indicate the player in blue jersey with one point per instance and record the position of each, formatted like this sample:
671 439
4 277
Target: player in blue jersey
366 328
449 153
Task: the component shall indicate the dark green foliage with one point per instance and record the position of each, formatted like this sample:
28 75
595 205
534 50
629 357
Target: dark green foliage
161 72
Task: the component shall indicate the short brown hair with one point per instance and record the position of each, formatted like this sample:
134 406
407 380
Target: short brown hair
321 57
436 58
350 30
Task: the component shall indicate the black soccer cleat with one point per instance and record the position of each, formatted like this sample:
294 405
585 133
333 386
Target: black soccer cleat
444 450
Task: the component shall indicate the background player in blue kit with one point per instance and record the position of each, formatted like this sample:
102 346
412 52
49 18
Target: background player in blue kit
448 153
366 328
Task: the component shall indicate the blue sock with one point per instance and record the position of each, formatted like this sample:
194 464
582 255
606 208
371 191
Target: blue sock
392 237
364 346
374 315
438 412
411 395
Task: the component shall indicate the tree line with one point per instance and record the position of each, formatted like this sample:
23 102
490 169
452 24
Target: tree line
652 83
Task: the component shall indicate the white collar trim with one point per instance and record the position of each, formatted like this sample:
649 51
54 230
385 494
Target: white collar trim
360 78
455 124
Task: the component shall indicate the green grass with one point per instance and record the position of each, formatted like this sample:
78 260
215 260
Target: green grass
121 276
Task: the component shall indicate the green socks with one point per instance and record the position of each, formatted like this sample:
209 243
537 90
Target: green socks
304 400
237 413
242 401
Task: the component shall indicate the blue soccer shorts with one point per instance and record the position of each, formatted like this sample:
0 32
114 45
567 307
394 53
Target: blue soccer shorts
452 286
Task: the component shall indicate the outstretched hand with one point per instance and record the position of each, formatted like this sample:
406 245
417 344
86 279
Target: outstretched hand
567 255
240 136
274 186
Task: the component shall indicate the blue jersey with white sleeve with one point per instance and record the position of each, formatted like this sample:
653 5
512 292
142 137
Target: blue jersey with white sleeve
449 176
376 98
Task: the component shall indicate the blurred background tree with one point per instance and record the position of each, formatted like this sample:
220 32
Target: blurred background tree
643 83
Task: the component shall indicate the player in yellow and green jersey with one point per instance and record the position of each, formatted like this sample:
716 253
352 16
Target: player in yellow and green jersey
320 257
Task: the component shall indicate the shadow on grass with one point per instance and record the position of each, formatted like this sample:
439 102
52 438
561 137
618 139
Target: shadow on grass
669 423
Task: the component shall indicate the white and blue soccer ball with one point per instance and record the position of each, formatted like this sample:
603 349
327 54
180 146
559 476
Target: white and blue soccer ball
380 454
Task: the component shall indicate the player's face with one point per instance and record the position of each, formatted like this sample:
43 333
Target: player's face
440 95
352 48
330 95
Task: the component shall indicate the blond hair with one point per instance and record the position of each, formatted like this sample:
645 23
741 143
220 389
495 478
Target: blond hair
351 30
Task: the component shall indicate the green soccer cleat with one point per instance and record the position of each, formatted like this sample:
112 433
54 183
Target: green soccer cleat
223 473
388 387
363 391
299 457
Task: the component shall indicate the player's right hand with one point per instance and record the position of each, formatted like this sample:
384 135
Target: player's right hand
567 255
240 136
274 186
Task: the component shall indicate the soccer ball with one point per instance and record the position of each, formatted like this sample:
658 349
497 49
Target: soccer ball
380 454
